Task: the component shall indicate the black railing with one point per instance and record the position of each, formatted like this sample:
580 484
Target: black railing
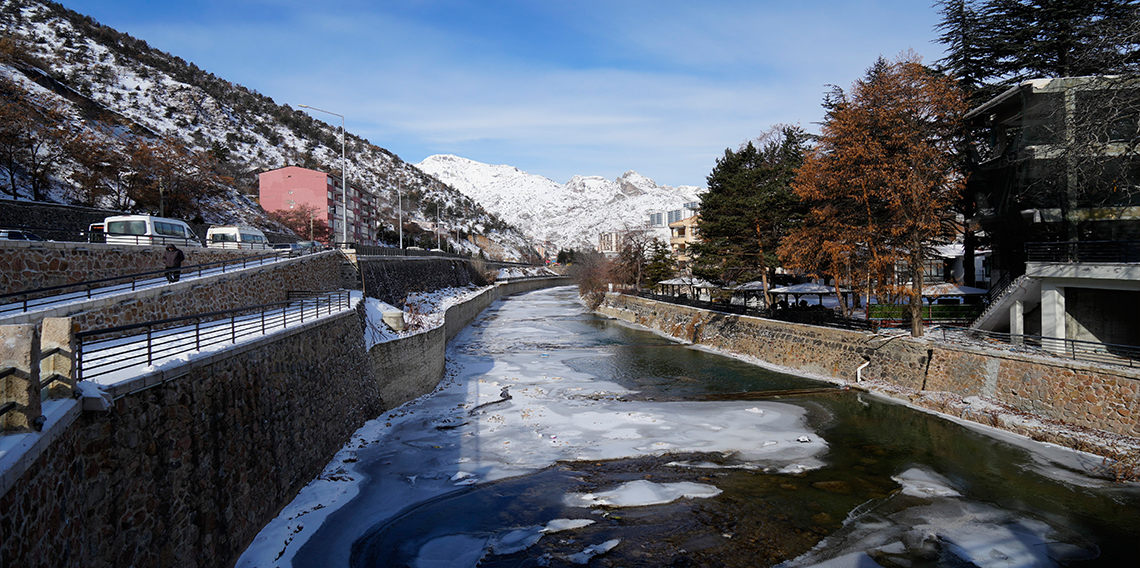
1078 350
102 352
1083 251
25 300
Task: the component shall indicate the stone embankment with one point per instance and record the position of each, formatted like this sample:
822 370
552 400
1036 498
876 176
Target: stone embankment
1016 391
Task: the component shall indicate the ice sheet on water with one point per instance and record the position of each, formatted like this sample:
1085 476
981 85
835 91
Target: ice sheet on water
452 551
641 493
929 519
559 525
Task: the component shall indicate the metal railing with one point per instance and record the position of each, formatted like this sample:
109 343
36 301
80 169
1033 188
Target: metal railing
101 352
1074 349
1083 251
24 300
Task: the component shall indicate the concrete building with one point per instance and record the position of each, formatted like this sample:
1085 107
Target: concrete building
683 233
294 187
1055 176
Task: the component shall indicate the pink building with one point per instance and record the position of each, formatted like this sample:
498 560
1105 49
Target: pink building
292 187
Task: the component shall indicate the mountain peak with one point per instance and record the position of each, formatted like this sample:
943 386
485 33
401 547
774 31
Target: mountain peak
569 215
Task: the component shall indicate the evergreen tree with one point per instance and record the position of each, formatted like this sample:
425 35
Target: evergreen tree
749 207
994 43
660 265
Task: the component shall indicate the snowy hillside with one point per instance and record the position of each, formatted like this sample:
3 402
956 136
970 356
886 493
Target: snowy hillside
119 90
569 215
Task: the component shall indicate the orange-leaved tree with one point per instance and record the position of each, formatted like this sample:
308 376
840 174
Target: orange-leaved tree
882 181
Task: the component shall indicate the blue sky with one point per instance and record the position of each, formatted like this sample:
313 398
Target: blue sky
555 88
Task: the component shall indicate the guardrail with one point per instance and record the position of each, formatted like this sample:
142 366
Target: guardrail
1083 251
101 352
25 300
1075 349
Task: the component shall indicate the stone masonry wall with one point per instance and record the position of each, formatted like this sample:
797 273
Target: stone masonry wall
1101 397
391 279
187 472
28 265
243 287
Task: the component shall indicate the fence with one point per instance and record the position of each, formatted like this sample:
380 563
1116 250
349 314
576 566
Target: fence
103 352
937 313
23 301
1077 350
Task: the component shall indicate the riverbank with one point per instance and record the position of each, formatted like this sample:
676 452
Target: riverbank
1086 407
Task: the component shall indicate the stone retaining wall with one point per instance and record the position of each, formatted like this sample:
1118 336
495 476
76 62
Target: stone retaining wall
242 287
26 265
1102 397
391 279
185 473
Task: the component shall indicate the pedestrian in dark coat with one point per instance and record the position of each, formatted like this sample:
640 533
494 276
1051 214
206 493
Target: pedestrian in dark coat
173 260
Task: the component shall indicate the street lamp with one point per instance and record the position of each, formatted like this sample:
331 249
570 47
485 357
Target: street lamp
400 213
343 172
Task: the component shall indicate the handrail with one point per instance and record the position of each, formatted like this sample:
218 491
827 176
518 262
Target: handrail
1083 251
51 294
164 339
1075 349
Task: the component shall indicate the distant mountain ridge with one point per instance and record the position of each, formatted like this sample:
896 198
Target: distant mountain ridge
569 215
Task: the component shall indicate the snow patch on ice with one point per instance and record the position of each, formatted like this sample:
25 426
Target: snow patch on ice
641 493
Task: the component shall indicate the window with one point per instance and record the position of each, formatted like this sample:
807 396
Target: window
127 227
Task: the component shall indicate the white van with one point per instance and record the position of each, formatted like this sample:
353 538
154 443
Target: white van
148 230
234 237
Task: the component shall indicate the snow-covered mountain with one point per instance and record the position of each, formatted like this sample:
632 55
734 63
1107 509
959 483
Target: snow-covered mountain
569 215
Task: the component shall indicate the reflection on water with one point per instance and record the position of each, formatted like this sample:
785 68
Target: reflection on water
899 488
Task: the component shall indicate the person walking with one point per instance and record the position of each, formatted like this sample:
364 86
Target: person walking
173 260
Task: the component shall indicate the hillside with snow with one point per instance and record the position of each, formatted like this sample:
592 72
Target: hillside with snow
569 215
119 91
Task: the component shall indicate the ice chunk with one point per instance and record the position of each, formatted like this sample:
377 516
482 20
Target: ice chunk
559 525
593 550
918 482
641 493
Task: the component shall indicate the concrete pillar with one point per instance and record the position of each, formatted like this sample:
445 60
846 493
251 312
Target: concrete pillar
57 352
1053 316
1016 322
20 377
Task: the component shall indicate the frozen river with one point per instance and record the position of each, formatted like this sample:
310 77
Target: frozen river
560 438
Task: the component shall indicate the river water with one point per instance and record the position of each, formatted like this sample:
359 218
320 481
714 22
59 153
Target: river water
560 438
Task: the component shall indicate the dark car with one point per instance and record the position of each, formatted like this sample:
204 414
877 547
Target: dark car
14 235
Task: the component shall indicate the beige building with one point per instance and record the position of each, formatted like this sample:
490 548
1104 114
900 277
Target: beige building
682 234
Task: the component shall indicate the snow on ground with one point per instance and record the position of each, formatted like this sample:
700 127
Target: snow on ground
422 311
511 273
509 408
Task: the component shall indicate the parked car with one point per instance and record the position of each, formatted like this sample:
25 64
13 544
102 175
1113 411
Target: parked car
15 235
294 249
148 230
235 237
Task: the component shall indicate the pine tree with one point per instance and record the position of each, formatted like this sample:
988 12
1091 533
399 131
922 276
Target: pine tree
749 207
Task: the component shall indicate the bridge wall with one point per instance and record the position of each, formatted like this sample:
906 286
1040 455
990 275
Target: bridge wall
187 471
1094 396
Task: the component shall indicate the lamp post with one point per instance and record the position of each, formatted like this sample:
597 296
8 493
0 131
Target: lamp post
343 178
400 213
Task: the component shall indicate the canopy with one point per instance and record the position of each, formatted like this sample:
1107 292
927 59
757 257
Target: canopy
754 286
803 289
687 281
951 289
